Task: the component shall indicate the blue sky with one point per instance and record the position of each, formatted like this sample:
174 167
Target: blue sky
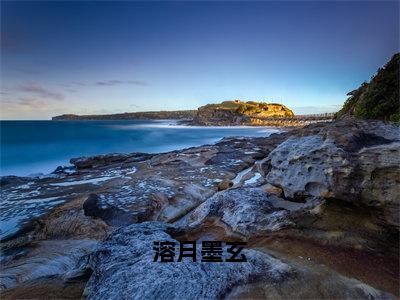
109 57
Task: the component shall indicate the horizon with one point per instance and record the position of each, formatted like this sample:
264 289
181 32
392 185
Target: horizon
302 110
115 57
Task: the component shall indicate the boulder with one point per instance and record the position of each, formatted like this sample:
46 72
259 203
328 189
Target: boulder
272 189
379 182
12 180
304 166
225 184
123 268
110 214
107 159
246 211
332 188
94 161
358 163
47 259
309 284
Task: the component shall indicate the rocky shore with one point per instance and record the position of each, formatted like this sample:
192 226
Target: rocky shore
318 207
227 113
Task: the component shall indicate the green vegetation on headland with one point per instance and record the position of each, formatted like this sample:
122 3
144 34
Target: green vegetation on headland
251 108
236 112
377 99
155 115
235 107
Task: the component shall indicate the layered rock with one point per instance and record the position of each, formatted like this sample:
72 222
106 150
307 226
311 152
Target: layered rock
47 259
310 190
246 211
123 268
311 161
227 113
353 164
104 160
318 207
240 113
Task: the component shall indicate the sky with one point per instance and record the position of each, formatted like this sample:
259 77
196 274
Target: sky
109 57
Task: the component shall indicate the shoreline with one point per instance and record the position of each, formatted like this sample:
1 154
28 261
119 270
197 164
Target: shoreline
176 124
212 191
127 127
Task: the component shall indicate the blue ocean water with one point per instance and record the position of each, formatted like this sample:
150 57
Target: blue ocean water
31 147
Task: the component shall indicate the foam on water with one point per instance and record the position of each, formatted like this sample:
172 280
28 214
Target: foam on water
30 147
85 181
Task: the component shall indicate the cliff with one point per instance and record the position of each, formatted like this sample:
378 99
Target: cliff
377 99
237 112
229 113
155 115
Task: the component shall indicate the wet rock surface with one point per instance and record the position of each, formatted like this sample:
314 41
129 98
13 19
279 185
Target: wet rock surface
123 267
46 259
360 167
114 278
311 160
332 185
246 211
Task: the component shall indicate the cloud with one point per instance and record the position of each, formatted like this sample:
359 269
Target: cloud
32 103
119 82
41 91
134 106
78 83
137 82
25 104
112 82
109 82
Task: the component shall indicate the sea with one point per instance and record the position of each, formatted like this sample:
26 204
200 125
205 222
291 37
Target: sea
31 148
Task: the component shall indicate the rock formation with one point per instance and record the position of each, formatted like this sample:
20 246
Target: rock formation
226 113
318 207
114 278
303 196
123 267
239 113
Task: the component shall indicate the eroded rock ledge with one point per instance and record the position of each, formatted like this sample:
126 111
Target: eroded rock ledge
320 191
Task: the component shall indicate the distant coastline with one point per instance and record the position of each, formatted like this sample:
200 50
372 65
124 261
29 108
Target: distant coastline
147 115
227 113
